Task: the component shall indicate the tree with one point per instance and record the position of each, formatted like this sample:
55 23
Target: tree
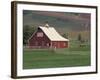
79 37
27 32
77 14
81 41
65 35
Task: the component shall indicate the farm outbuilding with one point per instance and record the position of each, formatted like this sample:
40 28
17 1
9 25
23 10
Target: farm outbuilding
47 37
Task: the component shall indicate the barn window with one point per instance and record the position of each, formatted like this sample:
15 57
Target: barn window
39 34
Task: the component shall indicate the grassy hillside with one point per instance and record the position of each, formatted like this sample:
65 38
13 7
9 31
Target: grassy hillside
72 24
66 21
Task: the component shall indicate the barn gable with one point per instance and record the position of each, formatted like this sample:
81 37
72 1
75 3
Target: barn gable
38 30
38 39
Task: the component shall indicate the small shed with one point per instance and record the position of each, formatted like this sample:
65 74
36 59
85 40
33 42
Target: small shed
47 37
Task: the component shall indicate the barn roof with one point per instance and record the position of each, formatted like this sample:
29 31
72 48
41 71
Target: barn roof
52 34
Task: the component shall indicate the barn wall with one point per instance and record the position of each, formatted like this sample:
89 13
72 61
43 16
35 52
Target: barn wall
60 44
39 41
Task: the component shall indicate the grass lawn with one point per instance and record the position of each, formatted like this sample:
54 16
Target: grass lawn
69 57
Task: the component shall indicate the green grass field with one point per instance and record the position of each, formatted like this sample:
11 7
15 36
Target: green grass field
47 58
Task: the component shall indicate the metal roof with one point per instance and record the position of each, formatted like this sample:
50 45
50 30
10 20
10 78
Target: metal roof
52 34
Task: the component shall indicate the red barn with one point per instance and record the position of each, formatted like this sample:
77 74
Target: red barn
47 37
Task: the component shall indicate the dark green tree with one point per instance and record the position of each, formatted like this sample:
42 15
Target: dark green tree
27 33
77 14
79 37
65 35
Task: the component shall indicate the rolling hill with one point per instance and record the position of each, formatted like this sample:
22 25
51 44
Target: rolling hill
63 22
